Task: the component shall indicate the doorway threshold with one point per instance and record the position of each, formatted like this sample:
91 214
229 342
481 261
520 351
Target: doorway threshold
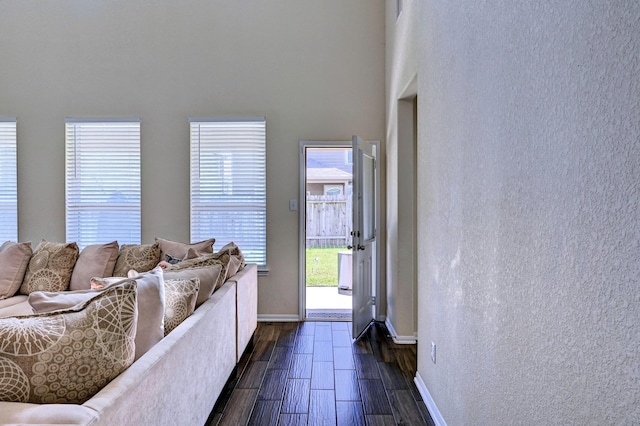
328 315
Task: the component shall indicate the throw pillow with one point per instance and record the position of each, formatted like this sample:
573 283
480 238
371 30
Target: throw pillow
14 258
206 260
141 257
234 250
50 267
68 356
180 298
179 250
208 276
151 304
97 260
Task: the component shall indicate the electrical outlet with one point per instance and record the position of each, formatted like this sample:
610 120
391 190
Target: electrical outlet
433 352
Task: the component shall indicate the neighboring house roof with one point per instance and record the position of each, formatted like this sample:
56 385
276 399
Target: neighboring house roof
327 175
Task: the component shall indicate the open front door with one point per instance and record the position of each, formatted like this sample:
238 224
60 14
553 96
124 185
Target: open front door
364 234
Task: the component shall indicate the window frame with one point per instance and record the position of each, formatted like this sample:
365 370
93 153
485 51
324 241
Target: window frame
248 207
9 179
121 153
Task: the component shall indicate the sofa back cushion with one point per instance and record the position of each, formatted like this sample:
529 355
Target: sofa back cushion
14 258
50 267
68 356
96 260
141 257
150 302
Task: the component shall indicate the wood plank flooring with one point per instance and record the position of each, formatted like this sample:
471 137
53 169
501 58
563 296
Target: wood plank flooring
313 373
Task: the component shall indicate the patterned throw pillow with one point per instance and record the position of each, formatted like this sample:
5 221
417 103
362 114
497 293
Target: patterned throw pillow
50 267
180 301
68 356
141 257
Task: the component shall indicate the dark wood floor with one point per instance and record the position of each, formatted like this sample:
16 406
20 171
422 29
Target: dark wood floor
314 373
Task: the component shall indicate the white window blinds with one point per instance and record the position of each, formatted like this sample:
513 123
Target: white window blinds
8 181
228 184
103 181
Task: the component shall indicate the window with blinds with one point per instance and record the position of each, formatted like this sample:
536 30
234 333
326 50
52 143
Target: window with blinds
228 184
8 181
103 181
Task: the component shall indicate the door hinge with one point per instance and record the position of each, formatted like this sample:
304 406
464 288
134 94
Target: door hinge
373 300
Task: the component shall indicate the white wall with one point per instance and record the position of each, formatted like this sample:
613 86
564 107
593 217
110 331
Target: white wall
529 239
401 76
315 69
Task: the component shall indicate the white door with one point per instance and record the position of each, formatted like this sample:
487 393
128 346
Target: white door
364 234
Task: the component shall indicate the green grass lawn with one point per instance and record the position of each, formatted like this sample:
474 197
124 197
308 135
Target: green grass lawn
322 266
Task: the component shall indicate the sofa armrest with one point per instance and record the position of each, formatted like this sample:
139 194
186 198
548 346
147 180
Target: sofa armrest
246 306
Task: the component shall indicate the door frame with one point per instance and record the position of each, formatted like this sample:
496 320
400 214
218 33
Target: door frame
302 224
302 218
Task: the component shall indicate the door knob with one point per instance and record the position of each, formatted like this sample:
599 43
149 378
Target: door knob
350 247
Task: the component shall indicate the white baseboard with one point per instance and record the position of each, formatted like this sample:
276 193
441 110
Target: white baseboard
429 402
278 318
400 340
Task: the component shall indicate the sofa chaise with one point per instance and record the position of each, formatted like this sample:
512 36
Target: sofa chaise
175 382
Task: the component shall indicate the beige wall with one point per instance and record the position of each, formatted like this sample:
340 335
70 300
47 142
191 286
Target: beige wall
528 166
315 69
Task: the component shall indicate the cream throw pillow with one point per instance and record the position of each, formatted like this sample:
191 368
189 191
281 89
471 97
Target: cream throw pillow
180 297
180 250
68 356
97 260
141 257
14 258
208 276
50 267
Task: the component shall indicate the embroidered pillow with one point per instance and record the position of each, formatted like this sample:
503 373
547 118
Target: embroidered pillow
180 301
50 267
141 257
68 356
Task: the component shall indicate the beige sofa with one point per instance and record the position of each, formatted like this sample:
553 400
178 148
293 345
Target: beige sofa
178 380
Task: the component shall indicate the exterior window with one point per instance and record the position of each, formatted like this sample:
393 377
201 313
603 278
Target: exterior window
103 181
8 181
228 184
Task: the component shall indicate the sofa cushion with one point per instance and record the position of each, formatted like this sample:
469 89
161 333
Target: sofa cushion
14 306
180 250
150 302
141 257
68 356
208 276
14 258
50 267
180 298
96 260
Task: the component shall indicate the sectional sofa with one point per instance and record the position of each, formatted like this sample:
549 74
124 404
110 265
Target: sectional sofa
176 381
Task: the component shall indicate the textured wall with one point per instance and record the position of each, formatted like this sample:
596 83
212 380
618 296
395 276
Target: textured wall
400 75
315 69
529 169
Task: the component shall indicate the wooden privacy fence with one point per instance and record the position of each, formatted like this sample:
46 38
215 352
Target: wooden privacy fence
328 220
